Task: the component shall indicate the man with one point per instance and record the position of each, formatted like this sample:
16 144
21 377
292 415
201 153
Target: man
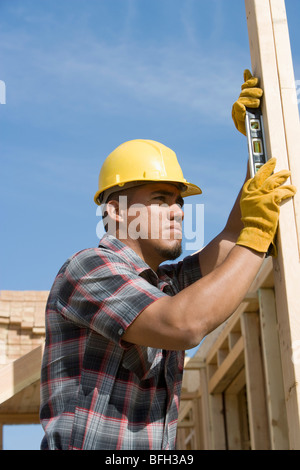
118 323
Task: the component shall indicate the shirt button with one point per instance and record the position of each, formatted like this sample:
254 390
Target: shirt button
120 332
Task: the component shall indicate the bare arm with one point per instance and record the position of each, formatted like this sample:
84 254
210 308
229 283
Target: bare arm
180 322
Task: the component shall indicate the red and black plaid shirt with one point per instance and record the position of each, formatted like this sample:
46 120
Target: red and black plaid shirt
97 391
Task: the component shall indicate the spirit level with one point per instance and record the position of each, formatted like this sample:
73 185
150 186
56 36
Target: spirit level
256 139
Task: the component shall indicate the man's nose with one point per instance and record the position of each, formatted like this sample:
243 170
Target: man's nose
176 213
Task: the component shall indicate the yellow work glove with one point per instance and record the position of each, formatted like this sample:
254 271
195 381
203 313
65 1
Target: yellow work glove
249 97
260 200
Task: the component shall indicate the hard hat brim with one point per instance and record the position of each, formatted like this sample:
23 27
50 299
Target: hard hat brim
189 189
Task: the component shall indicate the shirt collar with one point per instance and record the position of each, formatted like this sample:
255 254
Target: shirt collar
116 245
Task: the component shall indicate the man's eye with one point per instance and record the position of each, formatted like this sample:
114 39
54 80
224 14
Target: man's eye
160 198
180 203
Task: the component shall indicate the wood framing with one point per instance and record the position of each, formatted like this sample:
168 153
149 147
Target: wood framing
19 374
239 387
258 416
22 338
272 63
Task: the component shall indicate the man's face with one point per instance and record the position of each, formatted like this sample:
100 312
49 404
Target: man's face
154 219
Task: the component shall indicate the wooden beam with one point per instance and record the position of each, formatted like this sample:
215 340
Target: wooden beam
198 424
228 370
237 384
272 63
20 373
19 418
190 395
273 371
184 411
218 432
205 411
232 422
194 364
257 407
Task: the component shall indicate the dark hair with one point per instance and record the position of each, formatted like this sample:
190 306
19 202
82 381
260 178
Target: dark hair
129 192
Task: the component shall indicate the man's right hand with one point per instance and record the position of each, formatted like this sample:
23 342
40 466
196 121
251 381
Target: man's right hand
260 207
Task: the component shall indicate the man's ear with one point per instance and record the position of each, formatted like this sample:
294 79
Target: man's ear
112 210
115 211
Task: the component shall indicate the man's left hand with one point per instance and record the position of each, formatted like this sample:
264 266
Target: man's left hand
249 97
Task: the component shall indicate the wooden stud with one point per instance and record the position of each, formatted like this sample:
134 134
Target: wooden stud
273 371
229 368
206 419
197 418
257 407
217 422
232 422
234 429
272 63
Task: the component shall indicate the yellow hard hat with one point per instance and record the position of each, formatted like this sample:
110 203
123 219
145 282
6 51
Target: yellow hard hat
141 161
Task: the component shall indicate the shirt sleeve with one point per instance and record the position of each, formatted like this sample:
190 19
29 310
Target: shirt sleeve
103 293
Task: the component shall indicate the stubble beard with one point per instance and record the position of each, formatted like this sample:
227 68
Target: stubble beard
170 253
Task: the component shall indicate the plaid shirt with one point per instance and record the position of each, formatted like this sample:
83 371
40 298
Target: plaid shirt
98 391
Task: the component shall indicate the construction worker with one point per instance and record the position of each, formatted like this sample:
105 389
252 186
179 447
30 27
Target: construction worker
118 321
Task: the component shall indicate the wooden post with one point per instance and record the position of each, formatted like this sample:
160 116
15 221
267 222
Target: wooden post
206 420
257 406
273 370
272 63
233 422
217 421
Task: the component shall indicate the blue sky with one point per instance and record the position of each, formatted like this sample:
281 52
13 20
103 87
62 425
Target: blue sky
84 76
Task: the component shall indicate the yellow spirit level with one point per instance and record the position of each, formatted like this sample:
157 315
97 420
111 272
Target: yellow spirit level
256 139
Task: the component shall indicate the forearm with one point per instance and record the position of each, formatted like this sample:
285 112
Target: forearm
181 322
234 224
206 304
